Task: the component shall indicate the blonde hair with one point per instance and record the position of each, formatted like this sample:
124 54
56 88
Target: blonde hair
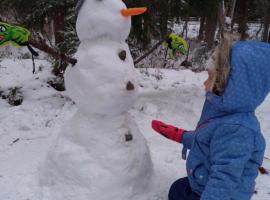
221 63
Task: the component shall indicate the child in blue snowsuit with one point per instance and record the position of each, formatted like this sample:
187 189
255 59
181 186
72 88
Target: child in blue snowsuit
227 147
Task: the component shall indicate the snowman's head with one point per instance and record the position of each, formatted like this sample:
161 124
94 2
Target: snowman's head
104 18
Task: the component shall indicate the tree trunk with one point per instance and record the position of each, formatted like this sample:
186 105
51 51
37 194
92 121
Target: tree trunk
266 23
233 4
184 33
221 20
210 30
164 19
232 11
266 28
201 31
243 10
146 31
59 20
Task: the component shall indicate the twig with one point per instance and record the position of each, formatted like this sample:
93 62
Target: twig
43 46
28 139
17 140
35 138
263 171
257 33
266 158
151 50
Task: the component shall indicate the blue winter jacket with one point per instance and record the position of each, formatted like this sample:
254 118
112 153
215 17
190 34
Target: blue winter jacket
227 146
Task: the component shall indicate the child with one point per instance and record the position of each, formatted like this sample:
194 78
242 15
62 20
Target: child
227 147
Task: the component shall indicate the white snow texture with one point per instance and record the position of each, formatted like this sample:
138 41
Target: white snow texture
102 19
100 153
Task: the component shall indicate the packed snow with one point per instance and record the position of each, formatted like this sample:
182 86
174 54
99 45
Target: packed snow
97 20
96 154
28 131
99 145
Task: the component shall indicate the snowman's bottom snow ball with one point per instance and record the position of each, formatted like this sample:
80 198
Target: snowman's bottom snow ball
99 164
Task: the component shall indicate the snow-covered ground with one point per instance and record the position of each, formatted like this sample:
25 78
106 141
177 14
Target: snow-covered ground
27 131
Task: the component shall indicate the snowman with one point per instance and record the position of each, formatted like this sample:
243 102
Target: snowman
100 153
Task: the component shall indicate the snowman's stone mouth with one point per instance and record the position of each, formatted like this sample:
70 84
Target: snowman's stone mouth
130 86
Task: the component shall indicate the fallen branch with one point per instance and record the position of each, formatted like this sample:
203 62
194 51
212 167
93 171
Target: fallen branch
13 142
263 171
151 50
43 46
266 158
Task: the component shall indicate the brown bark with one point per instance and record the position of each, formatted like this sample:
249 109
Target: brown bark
233 4
149 52
164 19
58 22
266 23
210 30
185 28
201 31
243 9
221 20
146 30
42 45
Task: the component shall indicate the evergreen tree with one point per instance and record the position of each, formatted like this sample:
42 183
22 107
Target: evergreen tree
54 20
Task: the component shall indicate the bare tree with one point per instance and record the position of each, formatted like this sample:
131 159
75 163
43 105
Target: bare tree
232 11
266 21
202 27
243 13
210 30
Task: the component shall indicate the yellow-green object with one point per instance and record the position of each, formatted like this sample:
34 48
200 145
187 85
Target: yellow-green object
15 35
176 45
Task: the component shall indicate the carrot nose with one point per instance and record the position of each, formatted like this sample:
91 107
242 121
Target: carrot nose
133 11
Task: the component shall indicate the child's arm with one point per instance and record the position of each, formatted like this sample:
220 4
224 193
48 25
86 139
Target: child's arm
230 149
171 132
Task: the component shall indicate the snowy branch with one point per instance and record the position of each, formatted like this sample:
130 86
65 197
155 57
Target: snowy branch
43 46
151 50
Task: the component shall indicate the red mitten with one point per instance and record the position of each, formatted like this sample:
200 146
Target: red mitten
168 131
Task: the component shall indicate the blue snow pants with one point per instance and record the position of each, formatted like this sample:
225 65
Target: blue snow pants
181 190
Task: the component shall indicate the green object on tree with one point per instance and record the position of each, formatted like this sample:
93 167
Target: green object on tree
176 45
15 35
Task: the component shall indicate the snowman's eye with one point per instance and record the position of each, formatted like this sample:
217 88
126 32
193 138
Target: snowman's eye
122 55
2 29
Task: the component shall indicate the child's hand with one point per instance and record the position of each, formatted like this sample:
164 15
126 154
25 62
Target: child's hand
168 131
